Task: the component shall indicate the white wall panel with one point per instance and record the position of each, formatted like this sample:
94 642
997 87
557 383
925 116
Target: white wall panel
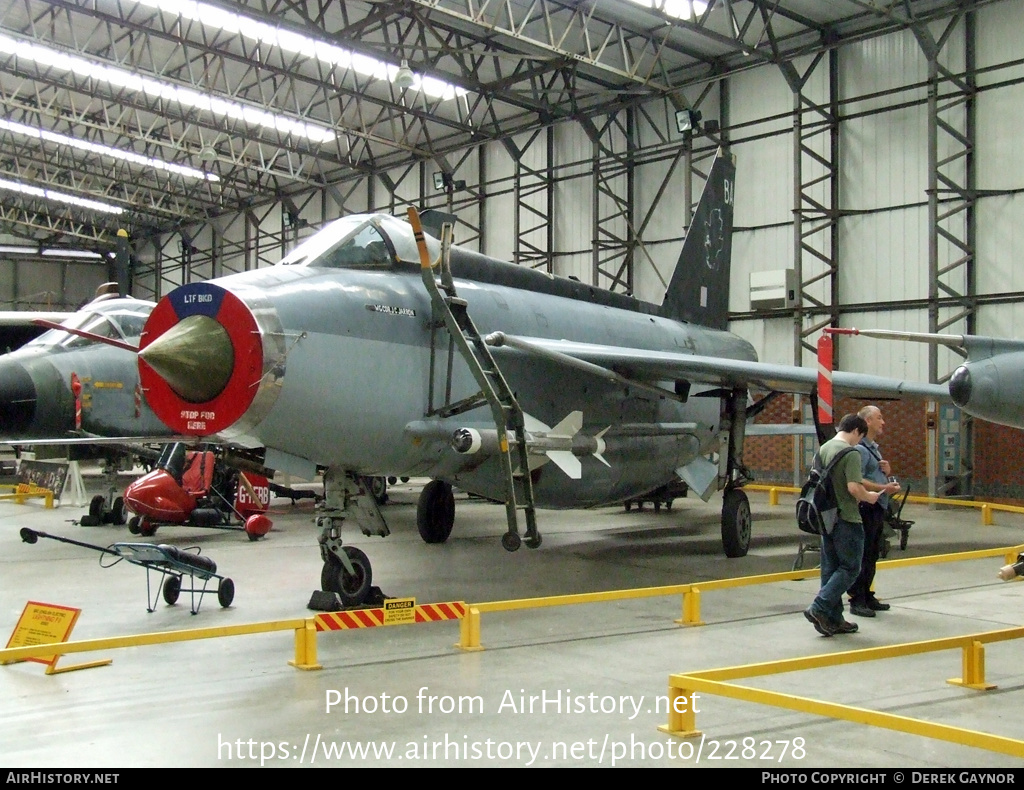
574 202
1001 320
884 256
1000 262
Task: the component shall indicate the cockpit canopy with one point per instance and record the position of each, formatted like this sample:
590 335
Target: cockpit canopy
120 319
359 242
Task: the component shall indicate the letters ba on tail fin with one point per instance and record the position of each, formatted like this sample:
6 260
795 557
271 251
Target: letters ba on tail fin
699 291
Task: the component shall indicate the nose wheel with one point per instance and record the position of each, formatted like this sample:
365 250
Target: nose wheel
352 587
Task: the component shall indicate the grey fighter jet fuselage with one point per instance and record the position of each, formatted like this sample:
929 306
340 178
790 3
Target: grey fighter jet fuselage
361 355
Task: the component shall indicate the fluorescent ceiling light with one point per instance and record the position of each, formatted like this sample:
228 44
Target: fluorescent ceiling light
62 197
121 78
103 150
57 252
296 43
679 9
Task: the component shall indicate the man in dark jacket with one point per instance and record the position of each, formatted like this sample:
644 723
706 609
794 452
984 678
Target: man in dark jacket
875 472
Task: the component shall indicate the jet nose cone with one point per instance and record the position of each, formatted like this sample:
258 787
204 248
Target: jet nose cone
17 400
960 386
195 357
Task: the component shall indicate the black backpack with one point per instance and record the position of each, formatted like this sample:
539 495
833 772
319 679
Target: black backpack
817 509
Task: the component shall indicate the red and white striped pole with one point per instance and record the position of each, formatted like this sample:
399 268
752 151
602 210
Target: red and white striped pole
825 411
825 379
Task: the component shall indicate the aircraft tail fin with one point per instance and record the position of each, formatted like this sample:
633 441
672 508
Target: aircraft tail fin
699 290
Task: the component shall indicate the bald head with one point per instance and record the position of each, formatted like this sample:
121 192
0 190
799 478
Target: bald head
872 415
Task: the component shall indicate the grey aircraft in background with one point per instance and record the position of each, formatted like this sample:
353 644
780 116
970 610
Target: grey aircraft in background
372 349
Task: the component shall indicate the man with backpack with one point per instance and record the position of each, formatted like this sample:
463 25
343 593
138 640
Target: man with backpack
843 547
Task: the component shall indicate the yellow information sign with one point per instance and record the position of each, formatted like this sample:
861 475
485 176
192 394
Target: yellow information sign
47 624
398 611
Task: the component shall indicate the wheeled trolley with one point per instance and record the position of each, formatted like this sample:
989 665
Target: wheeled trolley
173 565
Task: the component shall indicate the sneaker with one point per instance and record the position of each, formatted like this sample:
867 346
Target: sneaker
844 627
820 623
861 610
875 605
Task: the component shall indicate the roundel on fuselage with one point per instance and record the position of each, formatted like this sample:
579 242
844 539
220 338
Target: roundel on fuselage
200 359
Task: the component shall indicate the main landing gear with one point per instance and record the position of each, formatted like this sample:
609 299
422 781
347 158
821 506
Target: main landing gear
435 512
736 519
736 522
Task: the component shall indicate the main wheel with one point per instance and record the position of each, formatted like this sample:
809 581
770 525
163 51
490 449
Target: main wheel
118 512
172 589
146 527
352 589
225 592
435 512
134 525
379 489
735 523
96 507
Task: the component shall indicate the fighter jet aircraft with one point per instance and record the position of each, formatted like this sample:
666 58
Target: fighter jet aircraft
372 349
63 385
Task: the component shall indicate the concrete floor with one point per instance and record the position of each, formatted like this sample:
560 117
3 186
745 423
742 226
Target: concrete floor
236 701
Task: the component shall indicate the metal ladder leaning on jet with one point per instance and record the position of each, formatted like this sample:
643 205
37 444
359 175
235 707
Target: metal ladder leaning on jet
508 416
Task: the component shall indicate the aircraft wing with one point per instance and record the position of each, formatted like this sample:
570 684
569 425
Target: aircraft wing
28 317
651 366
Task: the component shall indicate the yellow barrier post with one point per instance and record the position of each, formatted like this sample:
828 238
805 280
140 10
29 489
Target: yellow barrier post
986 515
973 668
682 719
305 646
469 630
773 496
691 607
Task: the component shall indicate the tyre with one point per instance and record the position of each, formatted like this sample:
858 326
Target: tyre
353 589
172 589
435 512
736 523
96 507
134 525
225 592
379 489
118 513
147 528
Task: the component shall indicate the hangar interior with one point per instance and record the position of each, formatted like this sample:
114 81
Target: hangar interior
878 182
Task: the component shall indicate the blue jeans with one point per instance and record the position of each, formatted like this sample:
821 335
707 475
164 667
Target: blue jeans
841 554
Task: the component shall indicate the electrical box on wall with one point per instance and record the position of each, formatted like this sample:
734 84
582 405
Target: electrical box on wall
776 288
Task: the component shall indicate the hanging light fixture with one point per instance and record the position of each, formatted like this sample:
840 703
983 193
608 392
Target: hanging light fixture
404 78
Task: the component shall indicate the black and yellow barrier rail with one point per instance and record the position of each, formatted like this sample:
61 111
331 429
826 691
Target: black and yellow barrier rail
682 717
